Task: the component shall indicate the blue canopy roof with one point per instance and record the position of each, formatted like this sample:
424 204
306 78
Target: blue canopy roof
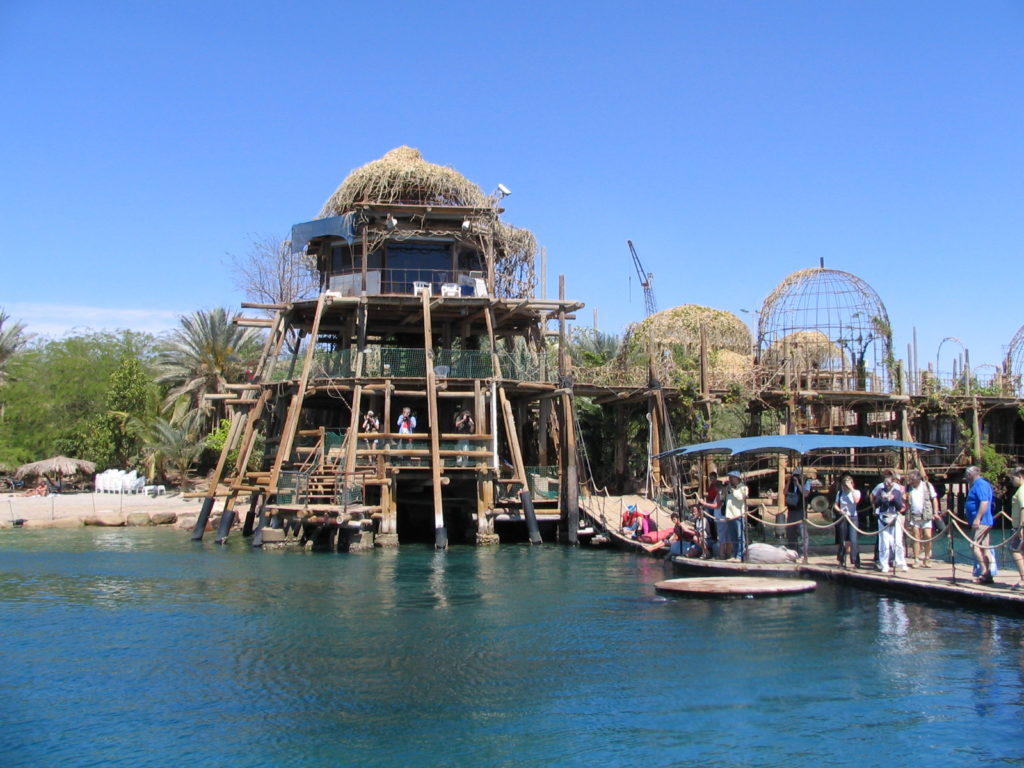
793 444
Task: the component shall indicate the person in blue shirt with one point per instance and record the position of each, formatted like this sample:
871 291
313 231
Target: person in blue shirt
978 509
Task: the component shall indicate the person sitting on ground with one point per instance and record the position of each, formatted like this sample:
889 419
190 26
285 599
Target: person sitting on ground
42 488
631 521
681 535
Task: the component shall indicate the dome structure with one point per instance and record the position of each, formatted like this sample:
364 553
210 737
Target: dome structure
829 320
1014 366
403 177
674 336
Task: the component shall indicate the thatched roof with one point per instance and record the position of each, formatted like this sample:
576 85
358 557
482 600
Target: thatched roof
57 465
680 327
402 176
808 349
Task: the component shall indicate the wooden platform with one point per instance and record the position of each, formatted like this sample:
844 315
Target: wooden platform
735 586
938 583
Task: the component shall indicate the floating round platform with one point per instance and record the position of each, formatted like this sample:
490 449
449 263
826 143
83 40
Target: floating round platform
735 586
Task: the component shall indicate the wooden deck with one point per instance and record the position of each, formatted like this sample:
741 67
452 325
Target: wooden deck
935 583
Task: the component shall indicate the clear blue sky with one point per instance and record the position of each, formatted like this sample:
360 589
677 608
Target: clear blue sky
733 142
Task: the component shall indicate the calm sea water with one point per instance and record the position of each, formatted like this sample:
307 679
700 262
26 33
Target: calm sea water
137 648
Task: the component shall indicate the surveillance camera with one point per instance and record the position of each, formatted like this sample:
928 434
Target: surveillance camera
504 190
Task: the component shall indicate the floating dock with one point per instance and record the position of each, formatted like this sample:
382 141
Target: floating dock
938 583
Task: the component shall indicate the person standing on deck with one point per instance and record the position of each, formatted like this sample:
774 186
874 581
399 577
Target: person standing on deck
887 497
796 502
1016 510
735 511
711 502
406 422
845 508
464 425
978 509
922 508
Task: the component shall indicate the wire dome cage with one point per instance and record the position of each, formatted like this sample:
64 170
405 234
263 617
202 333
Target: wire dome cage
1014 365
830 328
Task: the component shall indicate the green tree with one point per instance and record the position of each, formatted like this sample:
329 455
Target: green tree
202 357
57 389
130 398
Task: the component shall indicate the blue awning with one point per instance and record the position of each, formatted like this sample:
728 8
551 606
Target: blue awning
335 226
793 444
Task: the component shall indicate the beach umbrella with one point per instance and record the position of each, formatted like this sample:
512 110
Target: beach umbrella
56 465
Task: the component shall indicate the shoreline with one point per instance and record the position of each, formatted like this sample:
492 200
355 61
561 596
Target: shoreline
69 510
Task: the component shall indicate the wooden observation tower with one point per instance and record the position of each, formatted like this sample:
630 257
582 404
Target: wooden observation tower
426 310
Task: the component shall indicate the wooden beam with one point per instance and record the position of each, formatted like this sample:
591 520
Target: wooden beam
435 424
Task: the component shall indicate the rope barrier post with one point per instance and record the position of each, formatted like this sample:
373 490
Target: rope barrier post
952 546
803 533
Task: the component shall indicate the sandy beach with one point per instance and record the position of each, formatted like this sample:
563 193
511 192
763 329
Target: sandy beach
70 509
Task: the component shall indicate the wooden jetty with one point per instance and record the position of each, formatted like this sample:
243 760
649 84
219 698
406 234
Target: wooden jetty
935 583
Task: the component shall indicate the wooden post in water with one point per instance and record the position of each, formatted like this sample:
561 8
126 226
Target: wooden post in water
440 532
569 486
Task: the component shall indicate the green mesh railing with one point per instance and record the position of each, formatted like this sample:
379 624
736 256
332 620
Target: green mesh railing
349 494
334 439
542 482
463 363
397 362
292 488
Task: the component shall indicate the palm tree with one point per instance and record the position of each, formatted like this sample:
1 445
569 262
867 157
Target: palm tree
591 347
12 339
202 357
167 445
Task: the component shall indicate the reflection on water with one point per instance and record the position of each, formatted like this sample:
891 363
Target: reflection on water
137 647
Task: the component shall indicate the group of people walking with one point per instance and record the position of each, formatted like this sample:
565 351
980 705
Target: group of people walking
909 509
906 509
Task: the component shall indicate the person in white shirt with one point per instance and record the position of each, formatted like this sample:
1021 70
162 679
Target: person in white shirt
922 508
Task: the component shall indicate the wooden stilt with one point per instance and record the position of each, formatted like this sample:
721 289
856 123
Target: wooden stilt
291 423
440 533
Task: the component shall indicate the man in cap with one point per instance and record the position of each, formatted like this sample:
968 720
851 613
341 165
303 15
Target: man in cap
734 513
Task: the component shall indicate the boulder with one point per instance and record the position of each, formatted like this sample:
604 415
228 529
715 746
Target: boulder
137 518
186 521
105 518
60 522
164 518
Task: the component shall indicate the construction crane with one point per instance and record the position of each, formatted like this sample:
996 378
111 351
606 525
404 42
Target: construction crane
646 281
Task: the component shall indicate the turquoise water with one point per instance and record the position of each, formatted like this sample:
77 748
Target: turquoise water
134 647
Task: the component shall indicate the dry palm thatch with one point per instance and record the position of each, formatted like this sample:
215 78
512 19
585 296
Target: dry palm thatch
730 368
807 350
680 328
673 336
57 465
403 177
